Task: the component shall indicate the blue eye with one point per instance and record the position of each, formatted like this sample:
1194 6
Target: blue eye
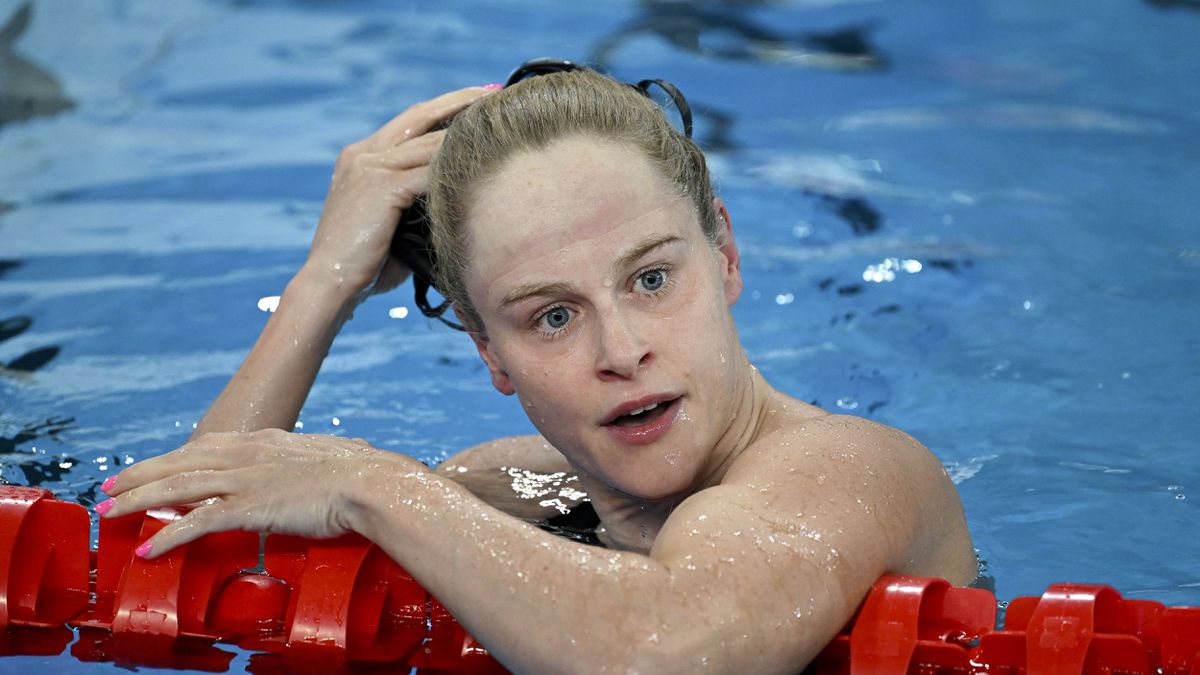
652 280
557 317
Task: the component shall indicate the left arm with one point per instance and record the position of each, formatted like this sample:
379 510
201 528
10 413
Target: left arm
755 574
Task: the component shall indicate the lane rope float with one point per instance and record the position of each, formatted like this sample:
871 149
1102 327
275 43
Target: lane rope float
324 604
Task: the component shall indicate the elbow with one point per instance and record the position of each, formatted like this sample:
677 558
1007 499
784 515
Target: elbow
658 647
699 644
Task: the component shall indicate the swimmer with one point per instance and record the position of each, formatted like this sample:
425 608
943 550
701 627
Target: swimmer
581 244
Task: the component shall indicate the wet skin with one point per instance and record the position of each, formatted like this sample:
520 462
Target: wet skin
559 275
748 525
642 299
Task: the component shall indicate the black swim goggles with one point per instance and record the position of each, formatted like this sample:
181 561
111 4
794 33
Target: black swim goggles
411 244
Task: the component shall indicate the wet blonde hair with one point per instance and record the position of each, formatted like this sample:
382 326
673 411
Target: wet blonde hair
530 116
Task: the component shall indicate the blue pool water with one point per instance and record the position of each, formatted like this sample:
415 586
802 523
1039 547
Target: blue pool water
970 219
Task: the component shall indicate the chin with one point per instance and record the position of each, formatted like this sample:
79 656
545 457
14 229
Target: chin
657 488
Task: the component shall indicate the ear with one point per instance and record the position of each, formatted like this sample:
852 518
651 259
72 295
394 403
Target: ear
500 379
731 262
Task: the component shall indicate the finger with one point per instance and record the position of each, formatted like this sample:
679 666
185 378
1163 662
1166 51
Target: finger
417 152
423 116
180 488
216 451
399 188
407 187
202 521
200 453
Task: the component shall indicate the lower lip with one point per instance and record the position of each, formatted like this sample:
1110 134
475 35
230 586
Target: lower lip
649 432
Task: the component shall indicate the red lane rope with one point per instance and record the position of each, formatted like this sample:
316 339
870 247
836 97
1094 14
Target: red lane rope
327 603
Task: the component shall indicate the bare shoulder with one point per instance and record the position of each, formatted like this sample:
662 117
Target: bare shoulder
842 440
813 512
814 458
532 453
524 476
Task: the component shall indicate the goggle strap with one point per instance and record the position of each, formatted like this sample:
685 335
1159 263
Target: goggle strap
681 104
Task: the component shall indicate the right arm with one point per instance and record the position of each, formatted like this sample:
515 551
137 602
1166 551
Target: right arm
271 385
374 180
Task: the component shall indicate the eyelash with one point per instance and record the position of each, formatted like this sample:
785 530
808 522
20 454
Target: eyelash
667 284
668 280
556 332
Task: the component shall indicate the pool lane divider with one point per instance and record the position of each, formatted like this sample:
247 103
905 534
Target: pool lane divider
325 604
322 604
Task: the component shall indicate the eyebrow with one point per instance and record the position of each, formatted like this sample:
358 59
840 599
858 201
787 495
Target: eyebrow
525 291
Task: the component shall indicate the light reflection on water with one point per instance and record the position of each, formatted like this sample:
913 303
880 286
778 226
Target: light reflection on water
1035 176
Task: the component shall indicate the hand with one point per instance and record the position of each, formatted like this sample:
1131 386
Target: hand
262 481
374 180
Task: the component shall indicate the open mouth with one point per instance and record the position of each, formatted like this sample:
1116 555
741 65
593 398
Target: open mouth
646 423
639 416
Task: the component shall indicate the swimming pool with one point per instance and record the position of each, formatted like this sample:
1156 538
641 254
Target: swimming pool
966 219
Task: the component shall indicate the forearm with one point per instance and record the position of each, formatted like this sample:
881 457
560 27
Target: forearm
273 382
504 579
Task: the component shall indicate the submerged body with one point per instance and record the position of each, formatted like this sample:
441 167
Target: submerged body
743 527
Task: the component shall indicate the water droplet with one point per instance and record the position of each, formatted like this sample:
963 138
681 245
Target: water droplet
268 303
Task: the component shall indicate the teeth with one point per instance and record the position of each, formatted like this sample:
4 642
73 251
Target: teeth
639 411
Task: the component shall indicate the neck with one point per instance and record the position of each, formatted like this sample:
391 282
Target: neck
745 427
631 522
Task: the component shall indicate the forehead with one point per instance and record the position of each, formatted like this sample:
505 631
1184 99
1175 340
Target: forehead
577 192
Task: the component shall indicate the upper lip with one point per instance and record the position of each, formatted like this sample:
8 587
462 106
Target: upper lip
628 406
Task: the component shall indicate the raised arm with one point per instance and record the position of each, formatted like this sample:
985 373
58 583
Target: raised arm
373 181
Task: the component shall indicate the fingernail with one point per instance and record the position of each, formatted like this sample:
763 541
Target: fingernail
493 86
108 483
103 507
143 550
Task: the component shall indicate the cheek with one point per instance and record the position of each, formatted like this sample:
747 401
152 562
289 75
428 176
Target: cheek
700 317
545 385
684 314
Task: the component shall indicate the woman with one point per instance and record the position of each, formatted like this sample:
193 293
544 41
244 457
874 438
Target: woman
580 243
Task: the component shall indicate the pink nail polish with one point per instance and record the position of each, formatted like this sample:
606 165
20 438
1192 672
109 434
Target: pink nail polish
108 483
104 506
493 86
143 550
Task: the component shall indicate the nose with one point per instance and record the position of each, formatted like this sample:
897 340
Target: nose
621 350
